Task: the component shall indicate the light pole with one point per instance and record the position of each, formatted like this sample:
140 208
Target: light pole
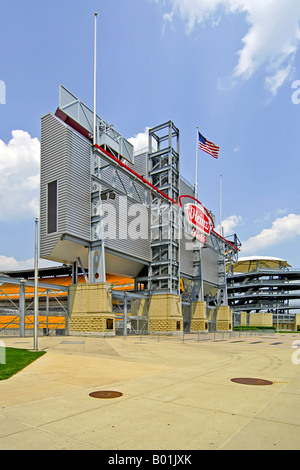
36 300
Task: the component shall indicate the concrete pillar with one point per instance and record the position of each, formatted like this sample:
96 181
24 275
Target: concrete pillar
224 318
165 313
91 309
243 318
199 320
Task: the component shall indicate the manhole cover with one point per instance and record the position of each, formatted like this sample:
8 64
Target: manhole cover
105 394
250 381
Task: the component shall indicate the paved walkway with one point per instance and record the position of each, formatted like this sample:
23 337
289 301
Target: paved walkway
175 395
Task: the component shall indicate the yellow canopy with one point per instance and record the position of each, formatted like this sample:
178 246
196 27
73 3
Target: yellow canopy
252 263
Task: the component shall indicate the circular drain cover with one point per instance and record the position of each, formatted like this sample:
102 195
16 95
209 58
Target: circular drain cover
250 381
105 394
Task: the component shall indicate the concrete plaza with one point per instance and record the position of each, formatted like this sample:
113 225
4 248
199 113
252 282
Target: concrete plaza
175 395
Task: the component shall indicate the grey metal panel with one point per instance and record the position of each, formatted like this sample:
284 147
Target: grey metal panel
140 164
210 266
53 155
185 189
126 149
187 246
65 157
77 199
140 247
186 256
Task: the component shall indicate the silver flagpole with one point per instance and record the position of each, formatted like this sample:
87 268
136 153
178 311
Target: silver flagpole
221 230
95 79
36 277
196 169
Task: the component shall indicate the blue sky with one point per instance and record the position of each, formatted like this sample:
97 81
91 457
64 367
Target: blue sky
230 67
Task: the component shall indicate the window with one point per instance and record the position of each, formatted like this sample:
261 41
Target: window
52 207
109 324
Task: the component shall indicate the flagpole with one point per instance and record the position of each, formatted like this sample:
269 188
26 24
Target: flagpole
95 79
196 169
36 278
221 206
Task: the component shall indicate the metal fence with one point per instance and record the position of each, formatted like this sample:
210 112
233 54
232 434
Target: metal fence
201 336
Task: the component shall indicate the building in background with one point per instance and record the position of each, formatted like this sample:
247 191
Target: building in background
264 291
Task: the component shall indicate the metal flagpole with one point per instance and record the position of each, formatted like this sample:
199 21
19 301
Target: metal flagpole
95 78
196 169
221 230
36 277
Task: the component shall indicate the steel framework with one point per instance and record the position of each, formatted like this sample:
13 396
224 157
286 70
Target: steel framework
18 308
265 290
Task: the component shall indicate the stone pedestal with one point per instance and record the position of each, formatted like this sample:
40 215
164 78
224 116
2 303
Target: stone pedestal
224 318
165 314
91 309
199 321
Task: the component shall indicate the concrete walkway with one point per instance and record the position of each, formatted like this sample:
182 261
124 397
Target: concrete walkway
175 395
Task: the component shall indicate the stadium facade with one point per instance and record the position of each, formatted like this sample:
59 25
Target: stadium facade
264 291
105 211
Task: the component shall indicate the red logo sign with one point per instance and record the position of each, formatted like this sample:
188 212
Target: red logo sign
197 217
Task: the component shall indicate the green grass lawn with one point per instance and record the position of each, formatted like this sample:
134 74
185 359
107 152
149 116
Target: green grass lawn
15 359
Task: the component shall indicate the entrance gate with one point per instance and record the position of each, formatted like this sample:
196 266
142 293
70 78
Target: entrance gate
131 313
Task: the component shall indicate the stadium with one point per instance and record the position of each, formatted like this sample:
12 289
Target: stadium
137 251
264 291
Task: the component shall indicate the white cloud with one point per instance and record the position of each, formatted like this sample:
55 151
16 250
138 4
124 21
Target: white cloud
282 229
140 141
20 172
9 263
272 39
229 225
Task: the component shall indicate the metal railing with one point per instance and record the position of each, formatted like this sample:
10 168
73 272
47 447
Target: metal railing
200 336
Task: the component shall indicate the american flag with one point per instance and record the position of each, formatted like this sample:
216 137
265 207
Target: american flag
208 146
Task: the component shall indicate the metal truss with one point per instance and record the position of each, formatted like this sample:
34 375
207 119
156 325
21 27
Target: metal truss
17 312
164 173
